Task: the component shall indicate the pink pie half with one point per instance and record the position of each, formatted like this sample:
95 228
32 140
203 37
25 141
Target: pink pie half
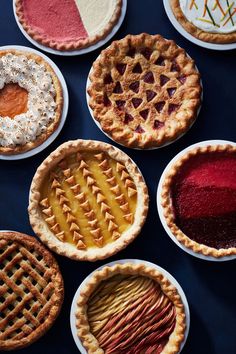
68 24
199 200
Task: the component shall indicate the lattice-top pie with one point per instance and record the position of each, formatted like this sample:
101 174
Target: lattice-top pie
130 309
88 200
199 200
31 290
145 91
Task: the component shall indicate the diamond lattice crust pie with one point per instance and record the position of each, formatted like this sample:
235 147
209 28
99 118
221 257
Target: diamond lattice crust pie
199 200
128 309
31 290
31 101
88 200
144 91
68 24
210 21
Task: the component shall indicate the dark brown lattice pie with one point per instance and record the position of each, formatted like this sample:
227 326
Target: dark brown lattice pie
145 91
31 290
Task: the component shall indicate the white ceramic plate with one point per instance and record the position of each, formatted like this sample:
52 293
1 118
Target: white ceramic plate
153 148
52 137
160 209
191 38
135 261
78 51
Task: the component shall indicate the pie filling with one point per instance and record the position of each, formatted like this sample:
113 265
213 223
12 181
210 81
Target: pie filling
13 100
68 20
211 16
130 314
88 200
204 199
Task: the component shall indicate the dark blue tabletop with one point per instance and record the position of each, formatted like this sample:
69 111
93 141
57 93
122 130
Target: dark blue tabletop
210 287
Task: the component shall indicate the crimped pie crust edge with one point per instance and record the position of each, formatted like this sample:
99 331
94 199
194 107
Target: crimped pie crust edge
40 227
197 32
83 328
168 135
18 149
68 46
30 241
167 204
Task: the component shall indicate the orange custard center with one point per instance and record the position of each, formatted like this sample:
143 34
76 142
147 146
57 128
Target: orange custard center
13 100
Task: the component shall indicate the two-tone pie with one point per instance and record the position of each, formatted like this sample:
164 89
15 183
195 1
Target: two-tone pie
130 309
145 91
210 20
31 290
68 24
88 200
199 200
31 101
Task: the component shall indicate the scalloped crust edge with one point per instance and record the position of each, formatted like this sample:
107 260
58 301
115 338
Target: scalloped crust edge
65 249
167 204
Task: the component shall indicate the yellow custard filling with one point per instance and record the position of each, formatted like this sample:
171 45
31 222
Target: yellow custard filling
88 200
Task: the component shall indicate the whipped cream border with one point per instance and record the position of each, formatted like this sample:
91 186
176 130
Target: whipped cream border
41 106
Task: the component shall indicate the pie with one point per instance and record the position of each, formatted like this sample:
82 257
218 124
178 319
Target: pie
31 290
68 24
210 21
129 309
88 200
144 91
199 200
31 101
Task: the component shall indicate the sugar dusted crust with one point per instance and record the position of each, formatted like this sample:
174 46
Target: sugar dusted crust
167 203
220 38
18 149
32 244
90 343
68 46
187 94
41 228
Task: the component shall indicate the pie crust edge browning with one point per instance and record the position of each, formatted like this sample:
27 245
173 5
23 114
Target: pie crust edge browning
96 81
30 241
167 204
220 38
83 328
84 43
58 100
39 225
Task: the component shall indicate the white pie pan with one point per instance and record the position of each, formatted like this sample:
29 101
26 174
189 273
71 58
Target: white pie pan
160 208
136 148
134 261
52 137
181 30
78 51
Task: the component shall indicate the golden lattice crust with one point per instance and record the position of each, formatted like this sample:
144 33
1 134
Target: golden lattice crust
49 229
67 46
32 287
89 341
167 203
58 111
220 38
145 91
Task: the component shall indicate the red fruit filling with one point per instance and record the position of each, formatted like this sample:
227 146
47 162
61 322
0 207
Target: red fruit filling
157 124
173 107
174 66
118 88
137 69
160 61
108 79
146 52
136 102
106 100
120 104
204 199
134 86
148 77
139 129
159 106
144 113
150 95
182 79
121 68
128 118
131 52
163 80
171 91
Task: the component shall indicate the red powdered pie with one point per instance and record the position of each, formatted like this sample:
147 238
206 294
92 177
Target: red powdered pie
202 191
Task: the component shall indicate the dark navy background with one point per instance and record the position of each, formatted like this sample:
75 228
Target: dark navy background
210 287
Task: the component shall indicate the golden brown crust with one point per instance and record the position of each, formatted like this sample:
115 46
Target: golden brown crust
183 96
27 251
68 46
58 112
220 38
167 203
41 228
90 342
